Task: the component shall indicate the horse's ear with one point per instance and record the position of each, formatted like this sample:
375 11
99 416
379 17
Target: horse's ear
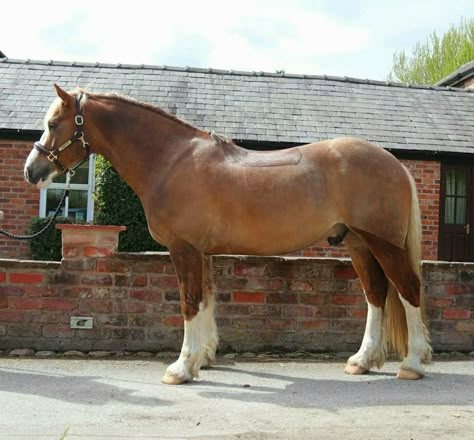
65 96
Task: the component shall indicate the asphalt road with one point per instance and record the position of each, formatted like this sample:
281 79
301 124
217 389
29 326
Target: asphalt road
124 399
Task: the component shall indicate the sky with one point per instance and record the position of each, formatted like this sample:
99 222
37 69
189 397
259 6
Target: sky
322 37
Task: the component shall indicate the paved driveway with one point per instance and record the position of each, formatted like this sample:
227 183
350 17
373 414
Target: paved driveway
124 399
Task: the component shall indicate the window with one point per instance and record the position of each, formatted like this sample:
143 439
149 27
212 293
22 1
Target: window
80 204
456 197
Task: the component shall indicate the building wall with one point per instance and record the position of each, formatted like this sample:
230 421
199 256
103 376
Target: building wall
18 200
264 303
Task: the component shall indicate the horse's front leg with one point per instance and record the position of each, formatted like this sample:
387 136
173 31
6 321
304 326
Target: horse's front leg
197 305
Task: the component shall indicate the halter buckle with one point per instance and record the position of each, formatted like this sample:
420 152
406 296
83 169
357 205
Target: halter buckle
79 120
52 157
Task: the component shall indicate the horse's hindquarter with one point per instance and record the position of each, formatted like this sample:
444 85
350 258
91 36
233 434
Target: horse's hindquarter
371 187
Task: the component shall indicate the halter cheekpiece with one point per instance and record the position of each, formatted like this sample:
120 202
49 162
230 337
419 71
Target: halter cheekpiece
78 135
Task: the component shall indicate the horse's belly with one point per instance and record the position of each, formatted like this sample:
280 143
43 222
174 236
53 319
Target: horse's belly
270 236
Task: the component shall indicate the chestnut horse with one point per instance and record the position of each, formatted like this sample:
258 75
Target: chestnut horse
203 195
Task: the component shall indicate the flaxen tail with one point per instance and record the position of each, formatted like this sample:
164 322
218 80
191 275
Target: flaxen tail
395 318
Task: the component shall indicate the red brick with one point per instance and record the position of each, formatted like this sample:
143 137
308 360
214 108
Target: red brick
9 290
341 300
172 321
254 323
250 270
96 280
313 299
26 278
112 265
267 284
53 331
97 252
456 314
164 282
280 324
442 303
249 297
282 298
265 310
136 307
3 302
26 303
139 281
59 304
465 327
297 311
320 324
3 277
358 313
147 295
11 316
70 252
301 286
456 289
347 273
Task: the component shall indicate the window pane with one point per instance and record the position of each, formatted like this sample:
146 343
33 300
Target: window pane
81 175
449 210
53 197
451 182
77 205
461 182
60 179
460 211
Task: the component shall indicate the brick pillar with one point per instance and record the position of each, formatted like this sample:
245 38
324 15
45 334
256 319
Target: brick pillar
94 241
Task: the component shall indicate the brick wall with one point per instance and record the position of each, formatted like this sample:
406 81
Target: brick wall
427 177
264 303
18 200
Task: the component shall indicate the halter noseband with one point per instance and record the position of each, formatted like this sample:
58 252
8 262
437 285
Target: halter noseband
78 135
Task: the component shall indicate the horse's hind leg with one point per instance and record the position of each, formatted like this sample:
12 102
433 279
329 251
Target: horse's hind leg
374 283
197 305
396 266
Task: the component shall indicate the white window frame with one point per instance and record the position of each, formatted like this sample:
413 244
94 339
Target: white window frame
73 186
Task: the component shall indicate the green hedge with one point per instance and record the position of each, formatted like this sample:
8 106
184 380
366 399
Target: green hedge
117 204
47 246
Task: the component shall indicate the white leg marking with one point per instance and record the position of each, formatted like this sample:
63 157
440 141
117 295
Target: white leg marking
199 346
372 351
419 349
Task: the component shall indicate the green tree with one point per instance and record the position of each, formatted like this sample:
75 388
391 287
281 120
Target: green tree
436 58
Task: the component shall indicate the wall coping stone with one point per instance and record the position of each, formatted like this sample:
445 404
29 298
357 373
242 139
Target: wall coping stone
91 227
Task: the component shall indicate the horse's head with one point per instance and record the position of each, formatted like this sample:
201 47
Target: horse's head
62 147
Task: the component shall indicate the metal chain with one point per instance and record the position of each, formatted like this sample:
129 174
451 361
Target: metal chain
36 234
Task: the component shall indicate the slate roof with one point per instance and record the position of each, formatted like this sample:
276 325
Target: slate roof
256 107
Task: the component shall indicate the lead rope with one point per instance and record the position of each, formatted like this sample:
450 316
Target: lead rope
36 234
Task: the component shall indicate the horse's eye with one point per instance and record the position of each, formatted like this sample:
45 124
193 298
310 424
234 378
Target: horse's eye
52 125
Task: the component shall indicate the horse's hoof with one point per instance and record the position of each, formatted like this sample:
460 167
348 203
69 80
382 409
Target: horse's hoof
355 369
171 379
408 374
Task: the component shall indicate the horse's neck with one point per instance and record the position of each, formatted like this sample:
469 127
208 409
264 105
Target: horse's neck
139 142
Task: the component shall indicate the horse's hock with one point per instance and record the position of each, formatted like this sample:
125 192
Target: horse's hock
263 303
